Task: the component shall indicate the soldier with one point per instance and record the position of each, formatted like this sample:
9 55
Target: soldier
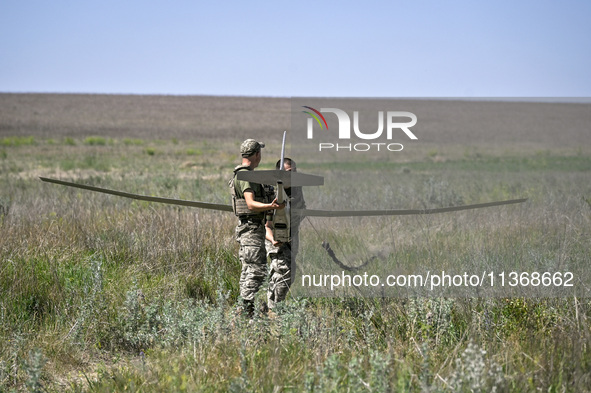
281 254
250 202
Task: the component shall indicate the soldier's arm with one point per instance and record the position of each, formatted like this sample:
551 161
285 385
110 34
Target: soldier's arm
259 206
269 234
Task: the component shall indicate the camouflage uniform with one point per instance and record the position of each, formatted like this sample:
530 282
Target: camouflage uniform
282 274
250 234
250 231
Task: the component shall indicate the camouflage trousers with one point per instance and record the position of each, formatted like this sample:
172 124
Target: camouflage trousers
251 237
280 274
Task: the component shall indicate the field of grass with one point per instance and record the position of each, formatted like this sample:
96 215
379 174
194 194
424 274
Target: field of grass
100 293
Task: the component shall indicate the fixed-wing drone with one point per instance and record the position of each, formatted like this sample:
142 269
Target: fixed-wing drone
284 179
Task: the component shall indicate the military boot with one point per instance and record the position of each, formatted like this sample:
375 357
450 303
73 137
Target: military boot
248 310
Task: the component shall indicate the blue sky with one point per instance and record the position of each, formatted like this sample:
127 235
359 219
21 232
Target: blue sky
323 48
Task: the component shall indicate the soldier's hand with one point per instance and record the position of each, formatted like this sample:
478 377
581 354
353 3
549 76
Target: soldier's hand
275 205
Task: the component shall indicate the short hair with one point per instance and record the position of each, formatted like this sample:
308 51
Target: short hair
285 159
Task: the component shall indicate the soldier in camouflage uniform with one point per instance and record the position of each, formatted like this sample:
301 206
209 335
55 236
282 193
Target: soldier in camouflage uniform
250 202
281 254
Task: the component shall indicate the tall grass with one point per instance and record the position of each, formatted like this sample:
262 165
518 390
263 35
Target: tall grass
99 293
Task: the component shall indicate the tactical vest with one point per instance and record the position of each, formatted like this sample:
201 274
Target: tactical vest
239 203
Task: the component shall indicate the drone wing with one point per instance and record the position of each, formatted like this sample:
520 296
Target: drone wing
371 213
300 179
170 201
304 212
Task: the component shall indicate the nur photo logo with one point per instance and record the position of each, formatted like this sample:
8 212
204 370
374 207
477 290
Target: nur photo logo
394 123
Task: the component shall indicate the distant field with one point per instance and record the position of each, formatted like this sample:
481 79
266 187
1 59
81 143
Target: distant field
148 117
503 124
99 293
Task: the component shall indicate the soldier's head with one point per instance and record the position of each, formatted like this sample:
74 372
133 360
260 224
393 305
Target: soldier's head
250 150
288 165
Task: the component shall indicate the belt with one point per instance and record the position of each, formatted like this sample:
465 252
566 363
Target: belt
251 219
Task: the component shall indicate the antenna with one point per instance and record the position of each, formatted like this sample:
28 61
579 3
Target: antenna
282 151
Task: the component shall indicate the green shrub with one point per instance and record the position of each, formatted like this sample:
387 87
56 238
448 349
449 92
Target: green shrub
133 142
95 141
15 141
